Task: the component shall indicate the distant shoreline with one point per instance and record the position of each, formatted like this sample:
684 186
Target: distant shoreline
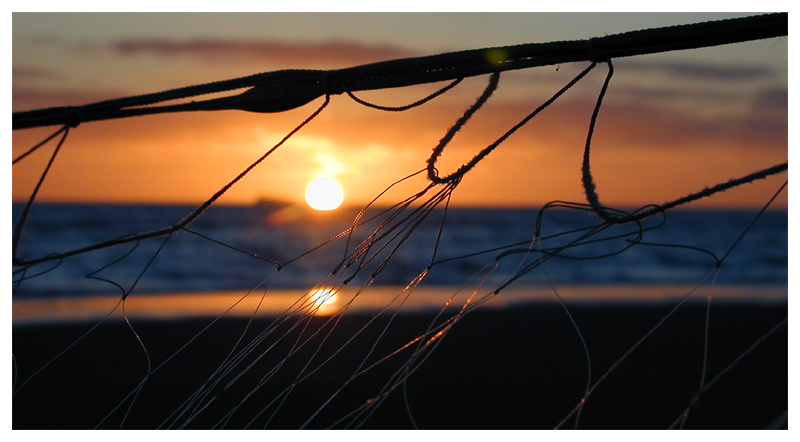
42 310
278 204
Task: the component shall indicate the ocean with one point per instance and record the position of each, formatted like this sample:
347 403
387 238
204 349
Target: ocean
678 250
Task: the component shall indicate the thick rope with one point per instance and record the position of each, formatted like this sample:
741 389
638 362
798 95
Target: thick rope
590 188
408 106
586 173
433 173
282 90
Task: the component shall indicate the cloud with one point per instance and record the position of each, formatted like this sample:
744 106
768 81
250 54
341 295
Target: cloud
33 73
340 53
637 116
684 70
635 124
25 99
771 101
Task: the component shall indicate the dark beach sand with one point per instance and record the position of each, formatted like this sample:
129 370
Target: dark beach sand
520 368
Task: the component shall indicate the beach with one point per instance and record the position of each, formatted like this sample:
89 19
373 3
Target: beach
521 367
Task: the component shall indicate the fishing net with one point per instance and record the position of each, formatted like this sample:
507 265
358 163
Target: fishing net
355 321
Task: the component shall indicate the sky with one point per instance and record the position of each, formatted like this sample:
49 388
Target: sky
671 124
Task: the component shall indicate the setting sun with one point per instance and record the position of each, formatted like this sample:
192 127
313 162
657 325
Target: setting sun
324 194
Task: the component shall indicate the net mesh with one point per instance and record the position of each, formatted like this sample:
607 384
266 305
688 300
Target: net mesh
314 363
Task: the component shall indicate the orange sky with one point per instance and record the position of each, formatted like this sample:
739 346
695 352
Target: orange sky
670 125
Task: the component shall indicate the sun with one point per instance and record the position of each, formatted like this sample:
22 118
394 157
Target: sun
324 194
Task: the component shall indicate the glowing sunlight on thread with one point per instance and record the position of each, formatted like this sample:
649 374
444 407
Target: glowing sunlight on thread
323 302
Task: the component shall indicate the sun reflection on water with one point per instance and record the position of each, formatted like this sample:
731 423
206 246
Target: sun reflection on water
323 301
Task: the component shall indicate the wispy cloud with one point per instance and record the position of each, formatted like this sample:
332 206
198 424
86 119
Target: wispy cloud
335 52
638 113
771 101
635 124
24 99
19 73
701 71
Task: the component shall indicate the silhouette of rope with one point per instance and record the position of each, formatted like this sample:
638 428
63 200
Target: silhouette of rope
408 106
586 176
589 186
287 89
433 173
156 233
23 219
40 144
